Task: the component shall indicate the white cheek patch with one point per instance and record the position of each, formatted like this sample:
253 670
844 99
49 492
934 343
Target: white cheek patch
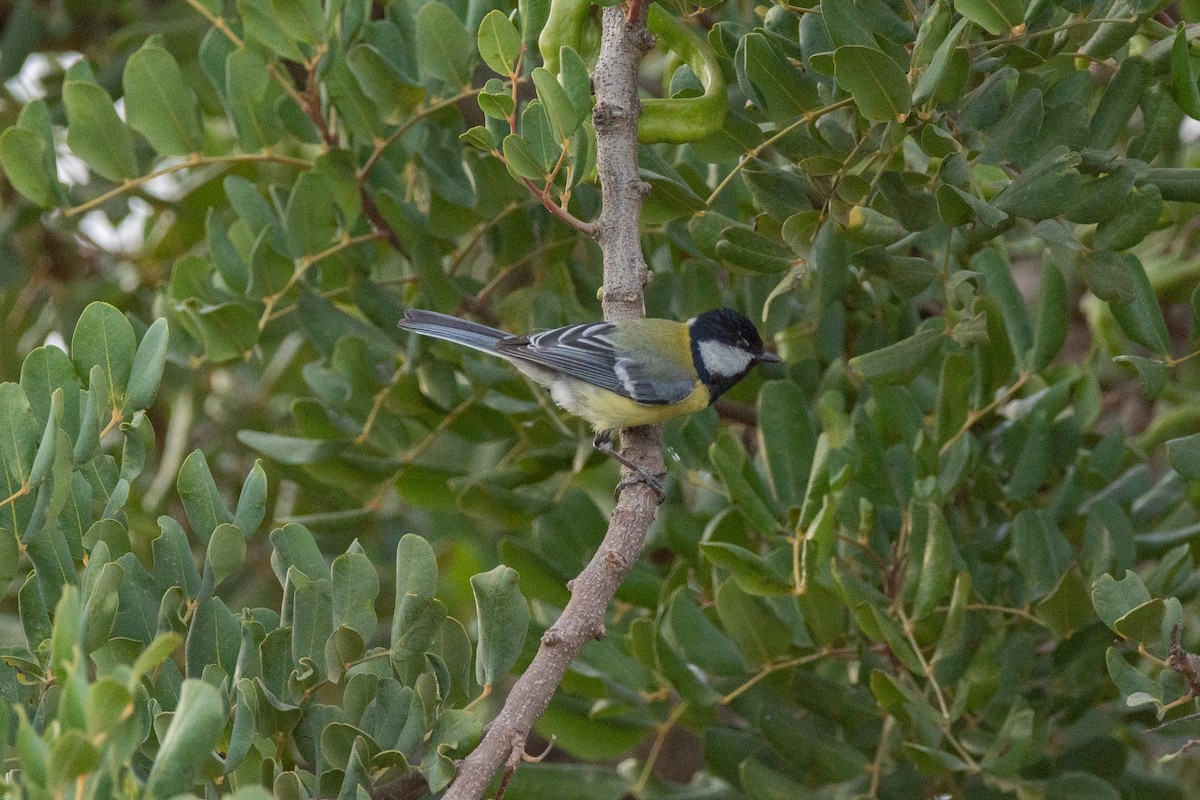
723 359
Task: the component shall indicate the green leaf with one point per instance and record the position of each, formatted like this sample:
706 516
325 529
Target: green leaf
291 450
151 657
18 437
23 157
447 50
195 729
1119 101
1102 198
355 587
311 218
201 501
1000 284
228 331
384 82
499 42
503 618
1183 84
1051 330
100 607
745 250
95 133
787 438
538 136
247 89
213 638
941 62
67 634
1040 551
1012 745
10 556
846 24
899 362
875 81
415 623
71 756
312 617
1139 216
687 631
252 501
1069 607
563 115
1184 455
742 483
994 16
160 104
1045 189
303 20
752 625
225 551
576 81
1143 623
754 575
1141 319
479 137
262 24
772 81
937 569
145 372
1137 687
104 338
1108 276
520 160
1114 598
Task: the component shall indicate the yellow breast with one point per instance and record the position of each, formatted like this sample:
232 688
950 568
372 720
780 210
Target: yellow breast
607 410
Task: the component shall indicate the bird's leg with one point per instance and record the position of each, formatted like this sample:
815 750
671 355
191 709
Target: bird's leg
603 443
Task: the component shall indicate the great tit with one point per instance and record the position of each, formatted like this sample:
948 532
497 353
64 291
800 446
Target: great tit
620 374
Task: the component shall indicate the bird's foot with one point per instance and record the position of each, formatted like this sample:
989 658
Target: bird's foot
640 476
603 443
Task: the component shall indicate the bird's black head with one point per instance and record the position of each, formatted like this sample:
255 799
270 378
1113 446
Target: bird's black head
725 347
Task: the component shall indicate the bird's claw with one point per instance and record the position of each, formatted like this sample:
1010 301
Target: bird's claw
653 481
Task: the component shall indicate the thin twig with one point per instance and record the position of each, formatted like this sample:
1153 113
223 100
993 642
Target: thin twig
384 144
979 414
660 738
196 160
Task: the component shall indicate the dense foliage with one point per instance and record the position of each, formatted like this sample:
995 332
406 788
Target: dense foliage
948 549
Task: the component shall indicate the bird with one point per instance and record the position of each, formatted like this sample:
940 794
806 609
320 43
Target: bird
620 374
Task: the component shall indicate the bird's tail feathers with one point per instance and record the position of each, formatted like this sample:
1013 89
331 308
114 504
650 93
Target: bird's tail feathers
452 329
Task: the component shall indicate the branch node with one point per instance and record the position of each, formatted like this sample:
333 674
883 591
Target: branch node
616 560
600 633
606 116
640 37
552 637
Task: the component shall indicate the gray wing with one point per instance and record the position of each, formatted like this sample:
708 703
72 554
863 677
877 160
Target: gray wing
587 352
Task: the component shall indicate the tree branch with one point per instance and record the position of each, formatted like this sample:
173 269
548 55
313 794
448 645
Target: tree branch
623 44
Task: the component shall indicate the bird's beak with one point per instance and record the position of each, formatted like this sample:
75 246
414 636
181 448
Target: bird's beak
767 358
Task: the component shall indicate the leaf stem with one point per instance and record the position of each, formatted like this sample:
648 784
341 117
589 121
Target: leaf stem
384 144
305 264
192 162
805 119
979 414
660 738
